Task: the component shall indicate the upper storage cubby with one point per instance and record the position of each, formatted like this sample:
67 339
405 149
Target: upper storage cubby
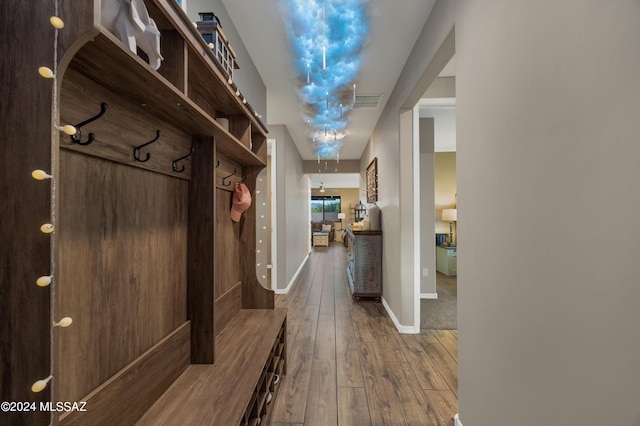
211 30
190 88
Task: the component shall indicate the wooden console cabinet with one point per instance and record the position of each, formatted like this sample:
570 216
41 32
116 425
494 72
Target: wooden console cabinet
364 263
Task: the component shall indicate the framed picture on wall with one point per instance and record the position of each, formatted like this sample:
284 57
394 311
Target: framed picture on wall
372 181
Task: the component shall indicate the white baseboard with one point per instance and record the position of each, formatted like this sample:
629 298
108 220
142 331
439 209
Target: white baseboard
428 295
293 279
404 329
456 420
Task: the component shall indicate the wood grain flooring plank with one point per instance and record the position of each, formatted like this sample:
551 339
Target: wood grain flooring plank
340 285
448 339
403 384
325 344
327 303
426 372
384 407
441 404
377 376
322 401
364 326
391 346
348 363
292 399
280 301
352 407
307 325
316 283
371 359
343 312
442 360
315 295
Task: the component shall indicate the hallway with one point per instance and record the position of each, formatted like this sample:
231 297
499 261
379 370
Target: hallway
348 365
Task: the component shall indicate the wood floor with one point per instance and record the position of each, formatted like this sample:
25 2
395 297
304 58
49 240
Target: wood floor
348 365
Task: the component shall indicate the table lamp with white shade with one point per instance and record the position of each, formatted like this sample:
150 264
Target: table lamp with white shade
341 216
450 215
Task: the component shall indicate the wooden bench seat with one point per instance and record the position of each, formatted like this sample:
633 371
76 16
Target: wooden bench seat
249 352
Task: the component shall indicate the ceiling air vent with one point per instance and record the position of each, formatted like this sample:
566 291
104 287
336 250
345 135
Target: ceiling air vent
367 101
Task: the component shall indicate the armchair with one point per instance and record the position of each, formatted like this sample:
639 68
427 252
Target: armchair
324 226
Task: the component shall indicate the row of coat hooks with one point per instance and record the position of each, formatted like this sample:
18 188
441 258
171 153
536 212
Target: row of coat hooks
224 179
77 139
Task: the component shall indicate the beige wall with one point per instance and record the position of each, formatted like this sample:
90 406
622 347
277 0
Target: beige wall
292 193
427 207
548 319
548 106
269 200
445 188
350 199
398 254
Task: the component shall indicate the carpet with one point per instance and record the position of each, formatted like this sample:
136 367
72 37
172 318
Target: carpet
441 313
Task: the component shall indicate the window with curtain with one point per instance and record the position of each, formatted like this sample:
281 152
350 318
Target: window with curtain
325 208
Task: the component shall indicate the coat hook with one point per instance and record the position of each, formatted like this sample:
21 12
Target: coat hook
78 136
218 164
174 165
227 177
243 179
136 150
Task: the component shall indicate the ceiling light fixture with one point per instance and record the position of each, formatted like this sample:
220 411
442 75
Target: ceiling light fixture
337 31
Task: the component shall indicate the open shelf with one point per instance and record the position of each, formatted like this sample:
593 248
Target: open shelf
104 59
169 15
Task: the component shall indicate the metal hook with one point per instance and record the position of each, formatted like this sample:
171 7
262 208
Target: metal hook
174 165
136 150
218 164
78 135
243 179
227 177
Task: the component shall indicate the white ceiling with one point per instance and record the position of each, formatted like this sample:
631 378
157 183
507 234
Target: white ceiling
394 27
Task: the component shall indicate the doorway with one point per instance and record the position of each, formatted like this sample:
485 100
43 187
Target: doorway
436 173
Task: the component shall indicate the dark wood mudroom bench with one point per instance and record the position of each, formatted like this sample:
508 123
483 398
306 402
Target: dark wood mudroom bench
233 391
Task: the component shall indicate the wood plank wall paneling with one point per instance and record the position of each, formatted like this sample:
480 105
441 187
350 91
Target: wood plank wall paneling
226 307
25 205
201 251
124 398
122 127
174 65
229 258
240 127
254 296
121 250
200 88
122 272
228 173
79 20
